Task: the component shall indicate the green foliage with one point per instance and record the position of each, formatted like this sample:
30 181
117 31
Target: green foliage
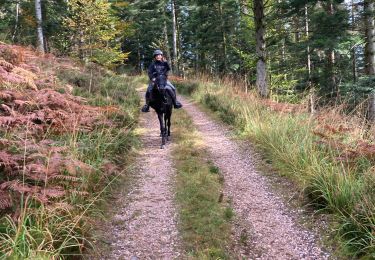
90 30
43 233
358 91
96 31
146 20
187 88
359 225
210 34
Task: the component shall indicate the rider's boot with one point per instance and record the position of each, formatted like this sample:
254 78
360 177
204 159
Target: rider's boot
176 104
146 107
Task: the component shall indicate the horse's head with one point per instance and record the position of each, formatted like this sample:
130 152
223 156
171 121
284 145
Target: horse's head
160 83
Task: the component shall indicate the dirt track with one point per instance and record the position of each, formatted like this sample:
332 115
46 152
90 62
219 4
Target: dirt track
145 226
264 228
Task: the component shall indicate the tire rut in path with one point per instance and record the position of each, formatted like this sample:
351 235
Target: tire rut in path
264 228
145 225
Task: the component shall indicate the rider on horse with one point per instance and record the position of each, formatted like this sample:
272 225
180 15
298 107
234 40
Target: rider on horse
158 74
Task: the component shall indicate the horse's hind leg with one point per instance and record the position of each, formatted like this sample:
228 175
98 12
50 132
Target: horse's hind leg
168 127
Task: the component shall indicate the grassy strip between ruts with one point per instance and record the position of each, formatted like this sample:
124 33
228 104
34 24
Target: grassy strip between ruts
204 217
333 182
62 229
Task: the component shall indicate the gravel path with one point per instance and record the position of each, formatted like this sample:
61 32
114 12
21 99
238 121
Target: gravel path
145 225
264 227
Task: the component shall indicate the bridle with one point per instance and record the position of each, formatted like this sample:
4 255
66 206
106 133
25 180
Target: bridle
162 91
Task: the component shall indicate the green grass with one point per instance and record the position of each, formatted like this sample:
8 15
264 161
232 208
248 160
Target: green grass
344 191
204 217
63 230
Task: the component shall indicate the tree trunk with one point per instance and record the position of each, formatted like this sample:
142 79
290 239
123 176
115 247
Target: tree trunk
312 101
140 61
331 59
370 37
224 37
81 54
296 26
38 13
261 80
370 52
308 46
17 19
354 58
174 21
167 45
371 107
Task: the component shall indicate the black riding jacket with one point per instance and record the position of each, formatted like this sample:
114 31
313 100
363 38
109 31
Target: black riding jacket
159 70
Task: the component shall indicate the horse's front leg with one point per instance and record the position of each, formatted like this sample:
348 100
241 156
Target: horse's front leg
161 123
162 129
167 125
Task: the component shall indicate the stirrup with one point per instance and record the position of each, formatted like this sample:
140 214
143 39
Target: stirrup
177 105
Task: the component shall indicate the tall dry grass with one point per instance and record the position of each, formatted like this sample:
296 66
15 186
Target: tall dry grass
330 155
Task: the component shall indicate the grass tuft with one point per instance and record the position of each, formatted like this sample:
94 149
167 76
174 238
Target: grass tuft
205 217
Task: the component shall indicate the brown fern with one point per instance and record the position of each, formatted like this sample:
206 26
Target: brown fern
79 193
6 65
8 161
54 192
5 201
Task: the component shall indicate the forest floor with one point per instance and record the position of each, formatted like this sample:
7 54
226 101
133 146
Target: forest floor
145 220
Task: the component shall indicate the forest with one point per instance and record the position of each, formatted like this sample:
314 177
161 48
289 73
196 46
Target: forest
284 48
294 77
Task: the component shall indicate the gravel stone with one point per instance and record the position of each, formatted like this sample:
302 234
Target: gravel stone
264 227
145 226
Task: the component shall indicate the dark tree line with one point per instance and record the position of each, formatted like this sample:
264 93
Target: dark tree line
284 47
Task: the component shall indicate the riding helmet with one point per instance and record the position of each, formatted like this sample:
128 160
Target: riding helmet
158 52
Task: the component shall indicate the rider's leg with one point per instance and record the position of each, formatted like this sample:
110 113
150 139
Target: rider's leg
172 91
146 107
171 86
172 94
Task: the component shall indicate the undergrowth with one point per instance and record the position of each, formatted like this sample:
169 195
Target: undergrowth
329 156
48 213
205 218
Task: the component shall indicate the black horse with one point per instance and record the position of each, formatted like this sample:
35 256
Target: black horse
162 103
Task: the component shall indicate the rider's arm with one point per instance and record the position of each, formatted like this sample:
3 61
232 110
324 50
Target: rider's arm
168 68
151 71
